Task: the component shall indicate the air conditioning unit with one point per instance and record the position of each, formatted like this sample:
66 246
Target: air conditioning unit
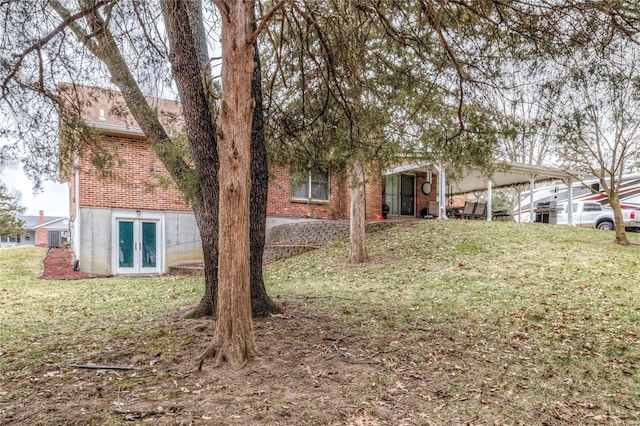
54 238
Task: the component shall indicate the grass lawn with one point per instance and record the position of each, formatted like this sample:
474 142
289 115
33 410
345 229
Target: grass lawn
456 322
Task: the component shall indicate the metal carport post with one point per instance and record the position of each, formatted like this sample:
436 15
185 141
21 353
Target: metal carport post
442 193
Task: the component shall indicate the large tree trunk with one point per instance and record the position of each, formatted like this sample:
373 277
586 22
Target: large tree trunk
614 202
357 215
233 339
188 67
189 60
209 236
261 304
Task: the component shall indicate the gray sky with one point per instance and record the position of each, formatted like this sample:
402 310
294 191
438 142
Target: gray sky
54 199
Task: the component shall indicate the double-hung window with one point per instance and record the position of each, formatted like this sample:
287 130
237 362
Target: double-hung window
311 186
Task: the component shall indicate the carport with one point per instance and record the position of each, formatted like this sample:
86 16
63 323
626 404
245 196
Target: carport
473 179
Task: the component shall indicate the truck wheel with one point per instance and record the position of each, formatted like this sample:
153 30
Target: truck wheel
606 226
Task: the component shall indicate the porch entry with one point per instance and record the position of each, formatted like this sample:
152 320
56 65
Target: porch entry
400 194
138 246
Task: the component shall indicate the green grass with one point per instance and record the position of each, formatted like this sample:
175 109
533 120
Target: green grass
38 315
479 273
546 314
486 322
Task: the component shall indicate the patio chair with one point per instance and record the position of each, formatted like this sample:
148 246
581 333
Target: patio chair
467 211
481 211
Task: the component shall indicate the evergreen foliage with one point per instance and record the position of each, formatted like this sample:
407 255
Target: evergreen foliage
10 224
379 79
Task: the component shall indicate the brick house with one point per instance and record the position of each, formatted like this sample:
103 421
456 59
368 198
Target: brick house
320 195
406 193
51 230
135 221
128 221
36 230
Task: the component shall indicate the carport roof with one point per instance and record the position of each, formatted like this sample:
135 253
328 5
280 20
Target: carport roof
506 174
510 175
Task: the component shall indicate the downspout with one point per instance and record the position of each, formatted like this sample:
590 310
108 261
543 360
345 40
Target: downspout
519 192
76 216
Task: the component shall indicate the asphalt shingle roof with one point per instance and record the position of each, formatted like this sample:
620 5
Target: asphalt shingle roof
32 221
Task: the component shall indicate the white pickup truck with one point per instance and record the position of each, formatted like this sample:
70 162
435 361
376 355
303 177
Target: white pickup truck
589 214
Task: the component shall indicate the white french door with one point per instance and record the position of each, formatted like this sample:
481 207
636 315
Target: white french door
138 248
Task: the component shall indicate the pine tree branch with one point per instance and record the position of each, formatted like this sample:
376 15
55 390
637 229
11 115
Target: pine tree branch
37 46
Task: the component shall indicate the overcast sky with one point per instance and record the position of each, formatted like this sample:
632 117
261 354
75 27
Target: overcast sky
54 199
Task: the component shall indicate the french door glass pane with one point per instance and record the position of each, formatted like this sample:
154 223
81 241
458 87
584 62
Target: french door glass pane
391 194
149 244
125 256
407 186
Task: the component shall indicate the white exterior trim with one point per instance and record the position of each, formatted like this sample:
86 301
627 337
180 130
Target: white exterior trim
155 216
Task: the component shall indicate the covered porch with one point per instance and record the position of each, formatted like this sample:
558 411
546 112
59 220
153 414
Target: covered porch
409 186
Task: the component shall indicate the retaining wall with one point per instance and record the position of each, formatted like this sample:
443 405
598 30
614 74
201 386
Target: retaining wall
290 239
317 232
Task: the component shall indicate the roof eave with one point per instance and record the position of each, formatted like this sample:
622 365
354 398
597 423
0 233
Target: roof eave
118 130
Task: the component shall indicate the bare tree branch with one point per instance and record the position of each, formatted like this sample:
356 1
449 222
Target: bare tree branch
264 20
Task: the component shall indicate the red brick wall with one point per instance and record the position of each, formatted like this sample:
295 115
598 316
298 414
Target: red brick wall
280 203
134 183
41 237
421 199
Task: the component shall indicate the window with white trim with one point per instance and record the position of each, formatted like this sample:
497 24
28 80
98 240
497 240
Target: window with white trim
312 186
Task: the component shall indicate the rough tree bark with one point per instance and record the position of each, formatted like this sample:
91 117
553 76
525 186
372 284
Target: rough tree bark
187 68
233 339
204 197
357 215
357 218
261 303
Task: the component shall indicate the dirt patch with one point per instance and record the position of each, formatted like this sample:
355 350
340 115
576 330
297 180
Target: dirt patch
58 265
313 370
310 371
